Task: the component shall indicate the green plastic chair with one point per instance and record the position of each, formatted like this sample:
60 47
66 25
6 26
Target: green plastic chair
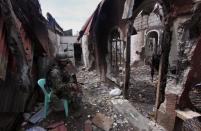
47 98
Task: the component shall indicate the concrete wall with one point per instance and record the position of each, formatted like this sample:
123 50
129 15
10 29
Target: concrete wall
69 39
174 47
143 24
58 41
174 88
62 44
54 44
67 46
153 20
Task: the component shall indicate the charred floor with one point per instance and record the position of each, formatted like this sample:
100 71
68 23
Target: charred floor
135 65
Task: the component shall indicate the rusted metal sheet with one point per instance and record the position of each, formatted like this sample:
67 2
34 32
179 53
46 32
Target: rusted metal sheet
182 10
3 51
27 44
41 33
86 27
182 2
29 15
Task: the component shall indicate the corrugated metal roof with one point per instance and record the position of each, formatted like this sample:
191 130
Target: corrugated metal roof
27 44
104 9
30 16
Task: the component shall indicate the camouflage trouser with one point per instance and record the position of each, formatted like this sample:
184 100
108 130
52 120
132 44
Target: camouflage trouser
54 102
69 92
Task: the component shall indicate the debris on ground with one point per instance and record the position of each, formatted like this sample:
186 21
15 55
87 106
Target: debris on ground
137 120
39 116
59 126
88 126
102 121
26 116
37 128
97 99
97 112
142 90
115 92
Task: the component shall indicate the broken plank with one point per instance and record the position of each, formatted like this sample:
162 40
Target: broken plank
187 114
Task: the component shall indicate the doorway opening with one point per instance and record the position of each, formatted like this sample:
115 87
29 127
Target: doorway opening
78 54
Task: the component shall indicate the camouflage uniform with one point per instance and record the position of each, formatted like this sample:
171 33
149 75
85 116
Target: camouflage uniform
63 84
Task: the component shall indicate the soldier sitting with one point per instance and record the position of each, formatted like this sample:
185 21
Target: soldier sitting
61 79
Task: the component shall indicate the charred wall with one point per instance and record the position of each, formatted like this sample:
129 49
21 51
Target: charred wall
186 39
22 45
189 53
109 17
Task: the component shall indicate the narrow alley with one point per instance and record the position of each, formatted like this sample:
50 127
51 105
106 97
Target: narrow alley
100 65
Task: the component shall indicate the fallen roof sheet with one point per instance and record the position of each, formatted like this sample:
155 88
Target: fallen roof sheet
87 26
30 16
102 8
128 9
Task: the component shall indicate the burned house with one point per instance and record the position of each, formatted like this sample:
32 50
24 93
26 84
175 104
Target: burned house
102 21
169 29
24 47
150 49
20 40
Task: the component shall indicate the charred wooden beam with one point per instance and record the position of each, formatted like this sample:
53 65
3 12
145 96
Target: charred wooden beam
164 62
127 64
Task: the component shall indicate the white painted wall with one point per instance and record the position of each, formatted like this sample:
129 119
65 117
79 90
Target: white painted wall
69 39
137 42
85 51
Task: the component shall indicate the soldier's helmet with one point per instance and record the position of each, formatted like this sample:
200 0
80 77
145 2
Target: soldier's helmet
62 57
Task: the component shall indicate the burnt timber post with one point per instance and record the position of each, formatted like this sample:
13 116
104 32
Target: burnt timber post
164 62
127 64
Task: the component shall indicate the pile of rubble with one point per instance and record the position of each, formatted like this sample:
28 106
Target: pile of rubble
99 96
96 113
102 108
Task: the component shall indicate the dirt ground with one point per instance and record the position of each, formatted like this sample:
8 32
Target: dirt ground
142 90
